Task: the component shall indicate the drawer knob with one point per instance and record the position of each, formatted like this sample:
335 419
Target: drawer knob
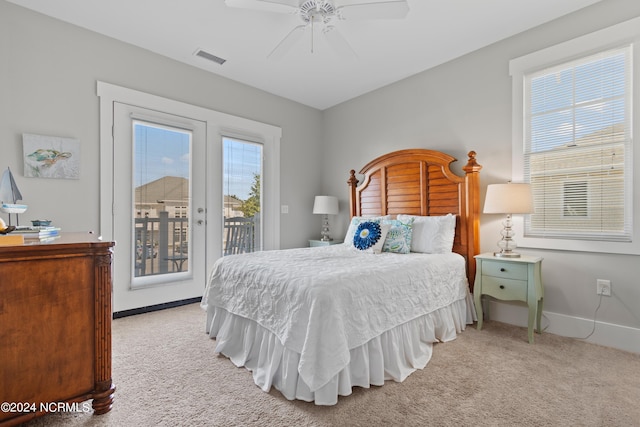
501 286
503 269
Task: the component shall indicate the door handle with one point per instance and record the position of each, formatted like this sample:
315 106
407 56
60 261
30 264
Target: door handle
200 222
200 210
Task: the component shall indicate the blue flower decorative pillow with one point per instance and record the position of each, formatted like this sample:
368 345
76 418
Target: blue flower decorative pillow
355 222
370 235
367 234
399 236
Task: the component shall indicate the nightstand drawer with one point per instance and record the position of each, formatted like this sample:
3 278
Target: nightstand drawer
506 270
504 289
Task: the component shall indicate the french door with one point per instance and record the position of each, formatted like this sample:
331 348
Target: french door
159 211
161 192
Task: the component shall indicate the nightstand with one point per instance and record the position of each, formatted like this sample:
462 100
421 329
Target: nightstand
510 279
316 243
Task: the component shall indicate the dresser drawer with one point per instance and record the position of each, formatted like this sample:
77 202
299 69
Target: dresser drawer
506 270
504 289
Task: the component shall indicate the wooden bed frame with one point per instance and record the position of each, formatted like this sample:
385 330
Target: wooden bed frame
420 182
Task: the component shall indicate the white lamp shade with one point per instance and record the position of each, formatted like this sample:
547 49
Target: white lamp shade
509 199
327 205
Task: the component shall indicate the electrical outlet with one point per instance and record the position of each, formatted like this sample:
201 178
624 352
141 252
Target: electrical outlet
603 287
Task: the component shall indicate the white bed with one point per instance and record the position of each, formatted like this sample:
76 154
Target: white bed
316 322
326 312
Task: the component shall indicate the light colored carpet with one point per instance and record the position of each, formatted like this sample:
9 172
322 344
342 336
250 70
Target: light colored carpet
166 374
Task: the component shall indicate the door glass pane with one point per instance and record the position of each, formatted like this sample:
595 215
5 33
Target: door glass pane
162 192
242 172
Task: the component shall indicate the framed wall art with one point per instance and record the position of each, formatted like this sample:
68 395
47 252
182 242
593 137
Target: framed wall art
51 157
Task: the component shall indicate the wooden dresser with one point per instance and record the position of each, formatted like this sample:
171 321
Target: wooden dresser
55 327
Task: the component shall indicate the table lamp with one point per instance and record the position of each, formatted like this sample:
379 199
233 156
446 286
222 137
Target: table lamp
325 205
508 199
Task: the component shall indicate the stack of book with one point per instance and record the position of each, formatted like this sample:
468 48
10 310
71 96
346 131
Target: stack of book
42 233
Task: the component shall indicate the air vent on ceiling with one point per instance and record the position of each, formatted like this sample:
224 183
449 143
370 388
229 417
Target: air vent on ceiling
211 57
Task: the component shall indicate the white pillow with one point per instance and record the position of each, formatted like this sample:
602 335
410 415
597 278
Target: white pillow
355 222
432 234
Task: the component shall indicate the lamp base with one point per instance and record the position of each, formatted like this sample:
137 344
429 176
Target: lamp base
507 244
506 254
325 230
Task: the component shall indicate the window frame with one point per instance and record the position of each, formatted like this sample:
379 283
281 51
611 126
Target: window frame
613 37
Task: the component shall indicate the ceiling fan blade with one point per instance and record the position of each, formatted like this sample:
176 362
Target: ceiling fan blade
287 43
280 6
338 43
381 10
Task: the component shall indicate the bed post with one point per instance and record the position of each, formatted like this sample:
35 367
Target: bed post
472 184
353 183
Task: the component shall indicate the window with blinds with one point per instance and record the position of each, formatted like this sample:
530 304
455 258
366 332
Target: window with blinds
577 148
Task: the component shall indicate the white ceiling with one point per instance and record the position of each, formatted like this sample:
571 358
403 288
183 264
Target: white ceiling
434 31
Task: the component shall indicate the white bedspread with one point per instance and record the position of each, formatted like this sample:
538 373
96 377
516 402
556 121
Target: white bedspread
322 302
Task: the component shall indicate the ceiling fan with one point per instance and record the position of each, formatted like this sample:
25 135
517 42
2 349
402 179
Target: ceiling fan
324 13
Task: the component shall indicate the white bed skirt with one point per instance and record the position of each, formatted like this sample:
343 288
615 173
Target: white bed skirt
393 355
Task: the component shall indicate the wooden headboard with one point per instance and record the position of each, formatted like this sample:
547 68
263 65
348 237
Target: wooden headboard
420 182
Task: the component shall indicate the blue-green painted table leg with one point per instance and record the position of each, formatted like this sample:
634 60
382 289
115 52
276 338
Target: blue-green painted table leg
478 302
539 315
532 316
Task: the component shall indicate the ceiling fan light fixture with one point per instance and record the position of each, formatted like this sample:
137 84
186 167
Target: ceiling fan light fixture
324 13
317 10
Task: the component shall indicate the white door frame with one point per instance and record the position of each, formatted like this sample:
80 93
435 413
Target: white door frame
217 124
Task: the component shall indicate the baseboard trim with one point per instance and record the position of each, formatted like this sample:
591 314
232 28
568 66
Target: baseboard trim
156 307
606 334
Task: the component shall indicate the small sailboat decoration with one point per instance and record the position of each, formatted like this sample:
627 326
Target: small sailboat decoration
9 195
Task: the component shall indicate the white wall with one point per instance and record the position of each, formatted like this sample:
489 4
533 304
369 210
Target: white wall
48 73
466 105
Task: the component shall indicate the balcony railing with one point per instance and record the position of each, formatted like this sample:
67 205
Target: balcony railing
240 235
162 243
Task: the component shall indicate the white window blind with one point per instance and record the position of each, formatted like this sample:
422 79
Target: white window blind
577 148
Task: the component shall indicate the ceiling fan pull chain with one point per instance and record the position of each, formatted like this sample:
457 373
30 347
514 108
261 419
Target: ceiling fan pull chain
312 31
